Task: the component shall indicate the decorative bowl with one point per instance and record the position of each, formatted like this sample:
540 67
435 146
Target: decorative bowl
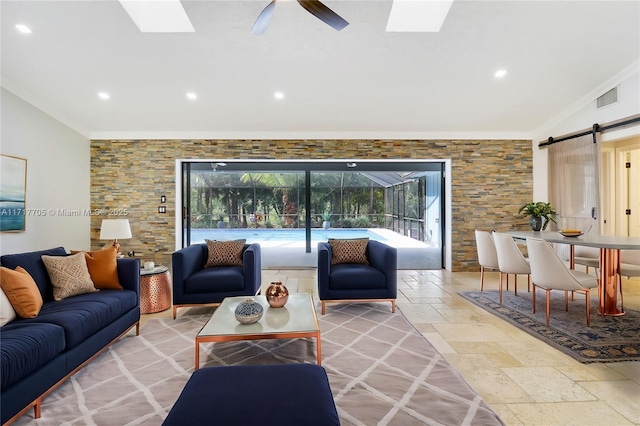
570 233
249 311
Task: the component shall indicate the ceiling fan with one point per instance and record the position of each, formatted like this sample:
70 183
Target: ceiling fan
314 7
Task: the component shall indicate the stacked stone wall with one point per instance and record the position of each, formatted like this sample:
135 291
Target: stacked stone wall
490 180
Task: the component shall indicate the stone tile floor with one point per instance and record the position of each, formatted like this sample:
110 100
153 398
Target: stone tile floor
525 380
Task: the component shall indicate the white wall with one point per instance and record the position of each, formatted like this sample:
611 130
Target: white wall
585 115
58 160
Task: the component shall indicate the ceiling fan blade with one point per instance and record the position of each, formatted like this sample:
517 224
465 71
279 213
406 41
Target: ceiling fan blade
263 19
322 12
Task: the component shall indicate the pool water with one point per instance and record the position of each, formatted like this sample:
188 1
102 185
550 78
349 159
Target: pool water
257 235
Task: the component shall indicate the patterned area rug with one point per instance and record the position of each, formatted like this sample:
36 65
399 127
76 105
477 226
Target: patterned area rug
608 339
381 371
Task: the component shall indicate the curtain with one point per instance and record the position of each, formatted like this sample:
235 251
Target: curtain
574 184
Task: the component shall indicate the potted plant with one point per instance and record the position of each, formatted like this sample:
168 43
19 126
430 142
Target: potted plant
326 217
540 213
221 221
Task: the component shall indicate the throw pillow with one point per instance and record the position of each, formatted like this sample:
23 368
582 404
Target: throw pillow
103 267
22 291
7 313
224 253
69 275
349 251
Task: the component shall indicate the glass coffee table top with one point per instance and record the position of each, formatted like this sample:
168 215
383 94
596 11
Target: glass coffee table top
297 319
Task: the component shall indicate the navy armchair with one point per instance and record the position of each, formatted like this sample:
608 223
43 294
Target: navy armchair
195 285
358 282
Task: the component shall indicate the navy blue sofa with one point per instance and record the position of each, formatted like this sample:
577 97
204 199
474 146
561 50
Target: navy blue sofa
376 281
194 285
38 354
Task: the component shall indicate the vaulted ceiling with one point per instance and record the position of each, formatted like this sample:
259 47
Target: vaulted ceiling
359 81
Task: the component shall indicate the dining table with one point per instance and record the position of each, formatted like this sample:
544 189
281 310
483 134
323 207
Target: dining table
609 246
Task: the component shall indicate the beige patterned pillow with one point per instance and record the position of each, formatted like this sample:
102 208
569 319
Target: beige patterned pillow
69 275
224 253
349 251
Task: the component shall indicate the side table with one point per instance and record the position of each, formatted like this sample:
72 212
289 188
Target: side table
155 289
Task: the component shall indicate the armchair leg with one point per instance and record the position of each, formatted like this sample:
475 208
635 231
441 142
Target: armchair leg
324 307
393 306
175 310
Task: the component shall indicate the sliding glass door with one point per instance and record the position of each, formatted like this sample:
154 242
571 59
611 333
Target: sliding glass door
294 205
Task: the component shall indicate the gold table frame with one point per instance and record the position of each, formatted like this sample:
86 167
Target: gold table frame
297 319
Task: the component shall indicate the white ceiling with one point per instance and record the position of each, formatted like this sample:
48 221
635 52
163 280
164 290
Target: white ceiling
359 82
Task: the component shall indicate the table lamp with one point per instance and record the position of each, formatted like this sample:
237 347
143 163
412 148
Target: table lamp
115 229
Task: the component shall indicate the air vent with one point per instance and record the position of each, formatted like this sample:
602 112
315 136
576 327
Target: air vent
611 97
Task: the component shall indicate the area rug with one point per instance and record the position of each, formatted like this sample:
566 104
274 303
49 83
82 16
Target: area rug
608 339
381 370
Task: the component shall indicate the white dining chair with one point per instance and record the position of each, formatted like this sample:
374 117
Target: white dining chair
628 266
587 257
487 256
511 261
549 272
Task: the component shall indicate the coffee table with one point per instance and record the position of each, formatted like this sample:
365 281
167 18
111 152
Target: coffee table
297 319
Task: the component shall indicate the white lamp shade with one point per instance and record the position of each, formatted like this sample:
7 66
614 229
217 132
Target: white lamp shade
115 229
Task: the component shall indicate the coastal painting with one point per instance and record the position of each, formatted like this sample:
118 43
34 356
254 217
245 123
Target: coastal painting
13 188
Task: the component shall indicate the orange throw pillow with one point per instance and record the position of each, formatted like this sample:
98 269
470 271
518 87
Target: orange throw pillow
22 291
103 268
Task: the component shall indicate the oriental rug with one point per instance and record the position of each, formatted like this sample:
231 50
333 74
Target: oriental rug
380 368
610 338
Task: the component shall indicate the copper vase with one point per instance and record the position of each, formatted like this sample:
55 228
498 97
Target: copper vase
277 294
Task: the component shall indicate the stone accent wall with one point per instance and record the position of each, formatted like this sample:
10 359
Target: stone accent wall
490 180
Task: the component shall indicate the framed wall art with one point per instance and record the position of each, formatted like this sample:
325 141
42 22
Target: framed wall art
13 192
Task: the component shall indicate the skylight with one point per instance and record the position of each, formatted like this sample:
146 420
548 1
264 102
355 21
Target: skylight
23 29
158 16
418 15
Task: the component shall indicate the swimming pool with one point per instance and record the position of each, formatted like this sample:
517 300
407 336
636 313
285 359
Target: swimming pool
275 235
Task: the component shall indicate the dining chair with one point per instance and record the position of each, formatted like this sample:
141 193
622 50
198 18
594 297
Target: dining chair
549 272
587 257
628 266
511 261
487 256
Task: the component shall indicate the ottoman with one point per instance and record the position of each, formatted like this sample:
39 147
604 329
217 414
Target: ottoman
283 394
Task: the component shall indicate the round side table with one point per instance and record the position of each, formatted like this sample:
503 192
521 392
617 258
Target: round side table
155 289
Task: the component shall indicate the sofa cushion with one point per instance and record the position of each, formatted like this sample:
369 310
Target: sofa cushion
22 291
349 251
225 253
26 346
32 263
82 316
355 277
215 279
7 313
69 275
103 267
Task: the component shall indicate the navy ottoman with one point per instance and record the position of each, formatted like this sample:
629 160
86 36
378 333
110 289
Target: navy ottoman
283 394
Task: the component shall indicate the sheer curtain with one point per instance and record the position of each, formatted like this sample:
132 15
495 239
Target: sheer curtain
574 183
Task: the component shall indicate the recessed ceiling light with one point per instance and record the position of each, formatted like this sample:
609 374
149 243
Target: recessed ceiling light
278 95
418 15
103 95
500 73
166 16
23 29
192 96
